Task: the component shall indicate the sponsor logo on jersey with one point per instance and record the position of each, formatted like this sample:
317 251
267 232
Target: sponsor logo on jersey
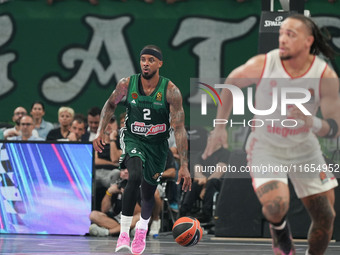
140 128
134 95
159 96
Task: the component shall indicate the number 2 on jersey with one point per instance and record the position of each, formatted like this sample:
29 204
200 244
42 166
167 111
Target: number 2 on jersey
147 113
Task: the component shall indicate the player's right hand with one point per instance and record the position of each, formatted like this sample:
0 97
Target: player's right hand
218 138
99 142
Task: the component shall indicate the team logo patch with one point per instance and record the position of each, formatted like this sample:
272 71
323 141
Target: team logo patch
323 177
159 96
134 95
140 128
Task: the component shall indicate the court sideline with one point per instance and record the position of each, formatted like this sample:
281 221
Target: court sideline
163 245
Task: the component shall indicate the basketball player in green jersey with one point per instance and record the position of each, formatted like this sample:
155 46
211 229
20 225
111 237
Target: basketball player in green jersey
152 101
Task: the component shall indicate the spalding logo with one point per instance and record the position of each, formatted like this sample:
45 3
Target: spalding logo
276 23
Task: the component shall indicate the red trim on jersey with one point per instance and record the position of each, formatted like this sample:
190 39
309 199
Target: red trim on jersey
323 72
284 68
264 67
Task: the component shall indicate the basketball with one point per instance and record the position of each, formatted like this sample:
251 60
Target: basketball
187 231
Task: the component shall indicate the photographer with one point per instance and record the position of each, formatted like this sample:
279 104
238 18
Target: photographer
107 221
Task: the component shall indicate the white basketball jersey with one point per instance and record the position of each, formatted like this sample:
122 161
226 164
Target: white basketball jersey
278 129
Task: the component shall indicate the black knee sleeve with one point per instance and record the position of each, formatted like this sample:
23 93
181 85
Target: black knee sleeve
130 196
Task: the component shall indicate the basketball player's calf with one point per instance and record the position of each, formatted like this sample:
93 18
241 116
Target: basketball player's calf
274 197
322 213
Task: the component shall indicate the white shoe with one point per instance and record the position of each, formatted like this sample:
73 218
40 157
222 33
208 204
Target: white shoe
154 228
95 230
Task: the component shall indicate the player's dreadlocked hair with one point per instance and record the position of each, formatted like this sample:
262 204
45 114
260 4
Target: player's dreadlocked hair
320 44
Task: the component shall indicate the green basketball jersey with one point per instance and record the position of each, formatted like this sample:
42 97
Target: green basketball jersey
147 117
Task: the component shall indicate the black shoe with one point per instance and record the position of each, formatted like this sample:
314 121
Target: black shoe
282 240
203 217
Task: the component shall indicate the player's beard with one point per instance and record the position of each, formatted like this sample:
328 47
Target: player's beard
149 76
285 57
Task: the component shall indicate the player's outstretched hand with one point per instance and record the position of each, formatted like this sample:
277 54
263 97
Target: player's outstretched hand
184 173
218 138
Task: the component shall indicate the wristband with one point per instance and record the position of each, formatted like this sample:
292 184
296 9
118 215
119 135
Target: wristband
333 128
317 124
109 194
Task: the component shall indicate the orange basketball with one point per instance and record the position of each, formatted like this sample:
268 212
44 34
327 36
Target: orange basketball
187 231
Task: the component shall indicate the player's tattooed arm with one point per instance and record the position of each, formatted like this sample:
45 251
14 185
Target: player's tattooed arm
177 118
111 104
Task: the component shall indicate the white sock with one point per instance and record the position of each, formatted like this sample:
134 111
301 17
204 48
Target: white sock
143 224
282 226
125 223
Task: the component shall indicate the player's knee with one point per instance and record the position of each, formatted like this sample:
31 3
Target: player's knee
275 210
325 216
135 167
93 216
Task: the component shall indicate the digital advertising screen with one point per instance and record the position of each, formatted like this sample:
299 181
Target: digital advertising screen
45 188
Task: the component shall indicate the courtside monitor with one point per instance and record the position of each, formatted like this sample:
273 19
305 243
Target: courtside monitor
45 188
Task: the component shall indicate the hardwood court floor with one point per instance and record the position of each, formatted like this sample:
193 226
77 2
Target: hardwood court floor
164 244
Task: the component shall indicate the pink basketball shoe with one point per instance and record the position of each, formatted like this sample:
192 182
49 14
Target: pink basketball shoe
123 242
138 243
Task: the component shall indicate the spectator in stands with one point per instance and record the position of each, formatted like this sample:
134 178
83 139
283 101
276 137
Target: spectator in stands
77 130
65 118
172 186
168 174
26 129
18 113
107 221
37 113
205 185
122 119
93 117
106 162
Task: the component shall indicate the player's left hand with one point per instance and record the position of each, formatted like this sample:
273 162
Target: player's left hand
184 173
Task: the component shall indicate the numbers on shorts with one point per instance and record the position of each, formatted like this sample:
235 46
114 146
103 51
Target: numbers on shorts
147 113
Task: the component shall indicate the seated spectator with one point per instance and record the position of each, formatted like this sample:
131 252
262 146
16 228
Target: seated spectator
107 221
168 174
65 118
105 162
37 113
174 194
18 113
93 117
122 119
205 185
26 129
77 130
